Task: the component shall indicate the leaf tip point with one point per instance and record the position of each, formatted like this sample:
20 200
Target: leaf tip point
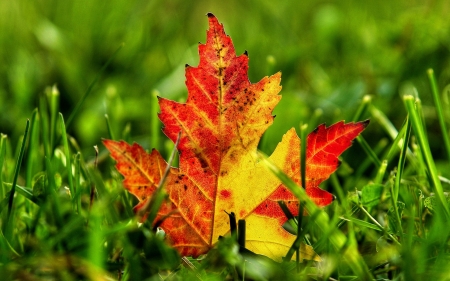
365 123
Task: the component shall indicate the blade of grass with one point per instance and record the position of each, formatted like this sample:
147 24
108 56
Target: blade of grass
378 224
381 172
417 125
362 108
397 144
390 130
33 148
419 110
126 133
105 201
397 213
440 113
363 223
385 123
110 130
68 159
43 111
53 96
96 250
2 160
8 225
322 221
372 155
401 161
77 181
25 192
351 236
152 206
6 247
296 245
16 170
361 169
89 89
155 127
303 138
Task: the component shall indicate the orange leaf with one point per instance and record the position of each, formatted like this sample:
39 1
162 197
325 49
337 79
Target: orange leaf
221 124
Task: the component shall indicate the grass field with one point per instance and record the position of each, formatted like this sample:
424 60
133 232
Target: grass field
75 72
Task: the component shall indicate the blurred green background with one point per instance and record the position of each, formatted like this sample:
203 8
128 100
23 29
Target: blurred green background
330 53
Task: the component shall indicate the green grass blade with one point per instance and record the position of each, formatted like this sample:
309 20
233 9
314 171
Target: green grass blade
381 172
112 136
9 221
7 249
96 251
440 113
126 133
402 159
2 161
417 126
303 142
33 148
397 144
68 158
390 129
43 112
53 96
369 151
16 170
363 223
363 107
378 224
77 180
155 202
155 128
26 192
385 123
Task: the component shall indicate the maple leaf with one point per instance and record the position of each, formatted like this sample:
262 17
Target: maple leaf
221 124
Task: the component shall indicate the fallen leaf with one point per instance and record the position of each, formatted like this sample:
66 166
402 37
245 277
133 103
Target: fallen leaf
221 124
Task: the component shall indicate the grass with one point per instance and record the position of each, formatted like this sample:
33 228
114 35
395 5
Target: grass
64 214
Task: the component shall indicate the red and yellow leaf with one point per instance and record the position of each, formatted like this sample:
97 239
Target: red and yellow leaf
221 124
